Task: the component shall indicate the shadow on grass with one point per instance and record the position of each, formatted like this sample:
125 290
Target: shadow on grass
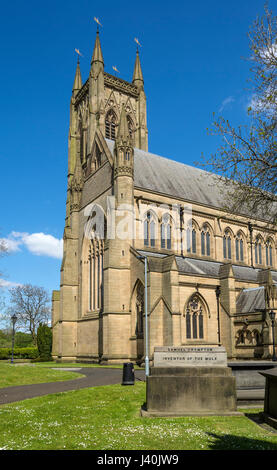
232 442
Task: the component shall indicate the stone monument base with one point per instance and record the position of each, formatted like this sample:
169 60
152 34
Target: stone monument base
190 382
190 391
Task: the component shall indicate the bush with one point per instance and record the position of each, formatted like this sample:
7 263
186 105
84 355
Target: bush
19 353
39 359
44 342
23 340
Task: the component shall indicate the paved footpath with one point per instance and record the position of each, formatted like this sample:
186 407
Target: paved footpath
93 377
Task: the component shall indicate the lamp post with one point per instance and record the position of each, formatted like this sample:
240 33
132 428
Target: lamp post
146 315
217 293
13 318
272 318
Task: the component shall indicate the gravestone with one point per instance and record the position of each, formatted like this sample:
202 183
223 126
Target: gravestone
270 402
189 381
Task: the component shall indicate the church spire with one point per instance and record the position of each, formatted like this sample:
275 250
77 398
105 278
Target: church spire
137 76
97 55
77 85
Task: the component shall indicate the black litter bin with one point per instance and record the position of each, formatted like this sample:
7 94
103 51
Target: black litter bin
128 374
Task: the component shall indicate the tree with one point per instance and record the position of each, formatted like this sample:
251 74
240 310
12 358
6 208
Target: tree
246 162
3 251
31 306
44 342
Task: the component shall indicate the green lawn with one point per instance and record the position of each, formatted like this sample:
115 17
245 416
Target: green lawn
12 374
108 417
40 372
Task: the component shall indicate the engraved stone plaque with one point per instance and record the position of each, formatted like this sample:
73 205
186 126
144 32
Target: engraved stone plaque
190 356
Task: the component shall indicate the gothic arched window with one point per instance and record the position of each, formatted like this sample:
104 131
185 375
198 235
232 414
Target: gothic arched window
149 230
258 251
194 319
110 125
239 247
166 232
205 241
227 245
269 253
95 275
191 239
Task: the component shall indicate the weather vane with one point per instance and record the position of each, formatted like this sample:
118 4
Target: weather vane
115 69
79 53
98 22
138 43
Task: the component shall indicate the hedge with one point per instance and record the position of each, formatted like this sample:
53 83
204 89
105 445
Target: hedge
19 353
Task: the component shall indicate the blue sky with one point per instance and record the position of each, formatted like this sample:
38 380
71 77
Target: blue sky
192 62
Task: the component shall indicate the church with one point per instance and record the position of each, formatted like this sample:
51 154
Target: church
211 275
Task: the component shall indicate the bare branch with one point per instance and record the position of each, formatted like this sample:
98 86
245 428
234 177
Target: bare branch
31 306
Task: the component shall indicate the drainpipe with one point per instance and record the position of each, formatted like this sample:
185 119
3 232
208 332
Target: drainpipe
250 227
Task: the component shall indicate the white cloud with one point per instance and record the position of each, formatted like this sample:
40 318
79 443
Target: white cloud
10 245
43 245
225 103
8 284
39 244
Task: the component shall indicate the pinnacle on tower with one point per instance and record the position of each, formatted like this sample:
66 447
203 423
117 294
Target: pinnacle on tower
77 85
137 76
123 134
97 55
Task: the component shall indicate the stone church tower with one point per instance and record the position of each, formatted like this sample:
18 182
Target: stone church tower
211 276
104 106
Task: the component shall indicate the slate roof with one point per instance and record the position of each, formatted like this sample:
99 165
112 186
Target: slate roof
245 273
165 176
251 300
154 254
198 267
162 175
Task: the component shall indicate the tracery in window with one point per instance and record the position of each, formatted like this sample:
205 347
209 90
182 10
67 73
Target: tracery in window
195 319
110 125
